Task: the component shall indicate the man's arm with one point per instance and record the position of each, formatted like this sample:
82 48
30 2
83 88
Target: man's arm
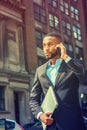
76 67
35 94
35 103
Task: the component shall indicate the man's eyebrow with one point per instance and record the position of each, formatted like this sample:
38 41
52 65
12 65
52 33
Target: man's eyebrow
48 42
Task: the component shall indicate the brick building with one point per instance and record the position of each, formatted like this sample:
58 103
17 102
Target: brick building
65 17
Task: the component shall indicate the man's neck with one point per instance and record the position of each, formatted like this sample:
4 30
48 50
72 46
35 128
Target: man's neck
53 60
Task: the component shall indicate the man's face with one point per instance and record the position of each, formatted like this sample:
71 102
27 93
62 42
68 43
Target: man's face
49 46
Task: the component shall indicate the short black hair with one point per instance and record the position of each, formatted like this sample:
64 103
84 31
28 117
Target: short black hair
54 34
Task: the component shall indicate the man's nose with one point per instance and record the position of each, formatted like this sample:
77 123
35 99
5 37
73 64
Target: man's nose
46 47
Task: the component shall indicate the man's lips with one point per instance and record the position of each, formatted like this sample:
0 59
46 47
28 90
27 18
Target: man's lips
47 53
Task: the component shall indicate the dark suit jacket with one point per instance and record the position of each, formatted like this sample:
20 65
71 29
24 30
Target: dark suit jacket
68 114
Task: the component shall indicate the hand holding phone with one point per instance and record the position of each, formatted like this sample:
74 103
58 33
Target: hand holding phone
61 50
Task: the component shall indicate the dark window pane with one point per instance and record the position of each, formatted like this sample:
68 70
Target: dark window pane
39 13
2 103
39 38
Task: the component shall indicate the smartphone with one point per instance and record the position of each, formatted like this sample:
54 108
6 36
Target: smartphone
59 51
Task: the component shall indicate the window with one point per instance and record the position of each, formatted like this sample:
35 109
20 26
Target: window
78 43
79 52
64 7
39 13
69 48
75 0
54 22
39 2
66 28
83 98
74 13
2 102
76 33
39 38
53 3
41 60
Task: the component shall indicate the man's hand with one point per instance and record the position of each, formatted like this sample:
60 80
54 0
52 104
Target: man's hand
46 118
63 51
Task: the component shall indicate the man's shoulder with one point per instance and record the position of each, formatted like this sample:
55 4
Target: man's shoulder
42 66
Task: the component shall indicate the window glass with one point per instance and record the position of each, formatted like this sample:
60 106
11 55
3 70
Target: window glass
39 38
66 27
38 1
77 50
41 60
64 7
39 13
75 0
53 3
61 2
74 13
76 33
54 21
70 48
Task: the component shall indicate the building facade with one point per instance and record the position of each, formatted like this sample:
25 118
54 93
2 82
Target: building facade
23 24
14 78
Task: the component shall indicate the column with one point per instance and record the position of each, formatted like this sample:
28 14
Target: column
3 43
21 46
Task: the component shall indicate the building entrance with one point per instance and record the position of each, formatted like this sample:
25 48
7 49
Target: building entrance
16 105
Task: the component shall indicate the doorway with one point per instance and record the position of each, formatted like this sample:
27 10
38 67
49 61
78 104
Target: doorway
16 105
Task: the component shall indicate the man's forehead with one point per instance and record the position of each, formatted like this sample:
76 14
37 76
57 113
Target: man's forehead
51 39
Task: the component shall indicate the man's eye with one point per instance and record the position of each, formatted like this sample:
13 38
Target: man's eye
43 45
50 44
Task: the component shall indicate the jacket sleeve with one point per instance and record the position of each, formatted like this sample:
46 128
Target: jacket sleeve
77 69
35 96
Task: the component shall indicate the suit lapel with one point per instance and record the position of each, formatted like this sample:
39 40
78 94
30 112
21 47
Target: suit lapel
61 74
59 78
47 80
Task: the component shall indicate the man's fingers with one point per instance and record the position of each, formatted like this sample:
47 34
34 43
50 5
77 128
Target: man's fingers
48 121
49 113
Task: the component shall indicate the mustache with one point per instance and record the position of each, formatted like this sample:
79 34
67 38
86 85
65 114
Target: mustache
57 52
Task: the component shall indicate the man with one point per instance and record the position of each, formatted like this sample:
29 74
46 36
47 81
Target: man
60 75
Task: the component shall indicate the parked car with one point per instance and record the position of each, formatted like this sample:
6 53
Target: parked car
36 125
83 100
8 124
85 122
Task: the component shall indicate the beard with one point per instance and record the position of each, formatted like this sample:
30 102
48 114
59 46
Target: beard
57 52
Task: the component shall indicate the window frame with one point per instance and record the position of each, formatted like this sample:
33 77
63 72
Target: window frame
54 21
51 2
73 13
42 34
64 8
65 28
39 13
76 34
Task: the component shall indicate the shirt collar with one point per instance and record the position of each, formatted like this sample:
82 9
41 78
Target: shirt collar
58 62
